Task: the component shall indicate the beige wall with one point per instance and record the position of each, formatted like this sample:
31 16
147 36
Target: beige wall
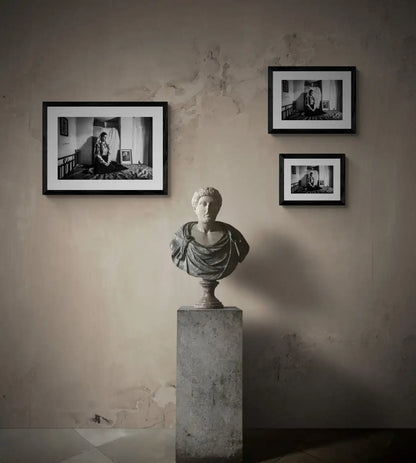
88 292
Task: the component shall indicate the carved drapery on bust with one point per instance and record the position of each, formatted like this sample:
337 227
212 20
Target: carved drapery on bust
211 262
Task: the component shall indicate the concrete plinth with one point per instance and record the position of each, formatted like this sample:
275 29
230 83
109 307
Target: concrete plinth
209 385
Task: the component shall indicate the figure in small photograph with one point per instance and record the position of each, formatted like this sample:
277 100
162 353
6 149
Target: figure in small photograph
312 104
313 180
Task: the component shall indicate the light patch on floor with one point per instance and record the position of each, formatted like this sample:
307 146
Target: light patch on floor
93 456
98 437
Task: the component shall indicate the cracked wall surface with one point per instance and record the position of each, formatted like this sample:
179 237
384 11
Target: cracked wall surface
88 295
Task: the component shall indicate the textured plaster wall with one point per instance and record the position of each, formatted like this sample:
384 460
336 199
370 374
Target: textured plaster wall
88 292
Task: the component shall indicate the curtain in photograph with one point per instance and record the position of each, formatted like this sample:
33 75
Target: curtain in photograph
142 140
338 84
113 140
317 90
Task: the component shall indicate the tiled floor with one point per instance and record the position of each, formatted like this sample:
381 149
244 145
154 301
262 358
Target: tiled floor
158 446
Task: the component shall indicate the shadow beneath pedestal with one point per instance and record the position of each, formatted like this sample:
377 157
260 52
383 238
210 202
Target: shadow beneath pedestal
329 445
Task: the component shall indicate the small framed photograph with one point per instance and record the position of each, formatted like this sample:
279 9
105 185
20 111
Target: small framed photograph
125 156
63 126
105 148
312 179
312 99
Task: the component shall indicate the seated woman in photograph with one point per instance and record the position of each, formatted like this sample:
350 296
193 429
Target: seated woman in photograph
102 165
311 104
313 180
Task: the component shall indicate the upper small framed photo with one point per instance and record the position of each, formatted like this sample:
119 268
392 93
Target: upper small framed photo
312 99
105 148
312 180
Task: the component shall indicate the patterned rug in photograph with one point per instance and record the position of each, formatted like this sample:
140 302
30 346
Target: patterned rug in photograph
327 116
132 172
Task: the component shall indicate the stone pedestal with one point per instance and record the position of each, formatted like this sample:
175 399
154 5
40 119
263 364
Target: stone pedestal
209 385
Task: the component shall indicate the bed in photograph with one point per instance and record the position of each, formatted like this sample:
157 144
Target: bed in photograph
132 172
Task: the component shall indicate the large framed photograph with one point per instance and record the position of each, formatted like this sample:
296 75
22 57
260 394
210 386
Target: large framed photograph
105 148
312 99
312 179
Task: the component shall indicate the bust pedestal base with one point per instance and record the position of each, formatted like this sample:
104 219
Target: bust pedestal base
209 385
208 300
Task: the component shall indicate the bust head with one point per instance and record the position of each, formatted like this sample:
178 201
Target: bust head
206 203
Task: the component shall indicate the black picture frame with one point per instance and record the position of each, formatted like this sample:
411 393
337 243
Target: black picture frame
70 161
333 93
295 188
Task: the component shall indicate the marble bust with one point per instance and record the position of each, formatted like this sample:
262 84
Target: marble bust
208 249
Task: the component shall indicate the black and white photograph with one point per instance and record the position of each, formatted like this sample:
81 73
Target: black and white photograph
311 99
107 148
312 179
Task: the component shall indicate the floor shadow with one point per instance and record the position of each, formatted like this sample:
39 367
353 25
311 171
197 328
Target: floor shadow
264 444
360 445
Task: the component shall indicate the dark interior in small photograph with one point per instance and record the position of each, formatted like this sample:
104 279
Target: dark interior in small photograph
98 148
312 179
312 100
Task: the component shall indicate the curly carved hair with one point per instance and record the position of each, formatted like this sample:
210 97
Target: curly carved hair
207 191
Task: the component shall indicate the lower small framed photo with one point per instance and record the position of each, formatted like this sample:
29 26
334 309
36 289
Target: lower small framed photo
312 180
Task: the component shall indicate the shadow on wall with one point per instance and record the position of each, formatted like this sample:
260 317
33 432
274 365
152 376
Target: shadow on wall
282 273
287 385
86 155
300 102
286 382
